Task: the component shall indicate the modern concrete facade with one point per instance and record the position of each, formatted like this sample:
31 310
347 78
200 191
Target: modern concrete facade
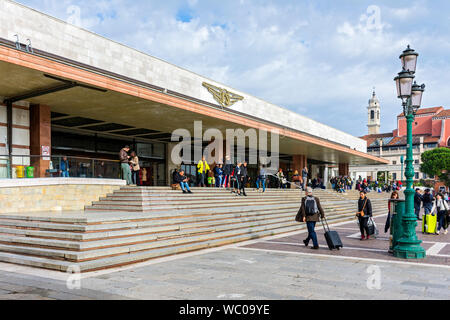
75 75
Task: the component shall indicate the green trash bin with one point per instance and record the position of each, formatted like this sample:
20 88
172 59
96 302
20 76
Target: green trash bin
30 172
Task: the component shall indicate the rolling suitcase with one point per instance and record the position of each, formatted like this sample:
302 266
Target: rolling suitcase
332 237
429 223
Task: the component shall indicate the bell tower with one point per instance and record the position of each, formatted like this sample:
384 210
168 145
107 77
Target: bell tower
373 111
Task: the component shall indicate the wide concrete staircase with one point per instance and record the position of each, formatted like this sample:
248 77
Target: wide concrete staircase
135 224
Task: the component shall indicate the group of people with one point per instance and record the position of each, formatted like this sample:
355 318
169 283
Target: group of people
341 183
235 177
129 164
436 206
227 175
311 212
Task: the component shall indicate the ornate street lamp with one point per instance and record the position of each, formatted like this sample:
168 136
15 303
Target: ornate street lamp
408 246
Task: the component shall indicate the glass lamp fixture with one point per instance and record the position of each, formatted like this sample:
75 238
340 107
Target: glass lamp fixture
404 84
409 59
416 96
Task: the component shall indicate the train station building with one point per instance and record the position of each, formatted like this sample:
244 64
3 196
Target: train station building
68 92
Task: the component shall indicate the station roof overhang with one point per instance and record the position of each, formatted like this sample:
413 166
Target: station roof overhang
107 98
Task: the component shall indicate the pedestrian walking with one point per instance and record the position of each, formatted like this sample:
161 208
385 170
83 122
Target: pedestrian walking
441 207
364 213
310 212
427 200
417 203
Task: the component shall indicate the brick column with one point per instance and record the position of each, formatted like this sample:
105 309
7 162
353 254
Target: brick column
40 136
299 162
343 169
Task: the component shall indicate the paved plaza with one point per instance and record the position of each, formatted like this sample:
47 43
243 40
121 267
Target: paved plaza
270 268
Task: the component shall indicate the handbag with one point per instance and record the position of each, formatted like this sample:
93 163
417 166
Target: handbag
373 230
361 213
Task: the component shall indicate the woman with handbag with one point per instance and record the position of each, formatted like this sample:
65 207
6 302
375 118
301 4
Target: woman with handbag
363 215
441 207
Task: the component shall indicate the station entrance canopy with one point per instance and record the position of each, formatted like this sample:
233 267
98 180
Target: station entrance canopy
85 97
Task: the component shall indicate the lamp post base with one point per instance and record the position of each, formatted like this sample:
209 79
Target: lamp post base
409 249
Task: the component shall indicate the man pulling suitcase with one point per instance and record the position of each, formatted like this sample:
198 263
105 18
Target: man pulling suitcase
309 212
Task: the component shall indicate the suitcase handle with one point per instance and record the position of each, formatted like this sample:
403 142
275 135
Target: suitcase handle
325 229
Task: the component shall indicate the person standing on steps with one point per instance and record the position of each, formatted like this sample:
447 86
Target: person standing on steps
417 203
244 178
364 213
227 170
125 164
203 168
311 212
261 181
134 161
305 177
237 175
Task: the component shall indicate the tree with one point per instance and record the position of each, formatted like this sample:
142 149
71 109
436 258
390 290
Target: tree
436 163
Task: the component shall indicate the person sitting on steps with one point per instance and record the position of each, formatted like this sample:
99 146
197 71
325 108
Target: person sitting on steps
183 181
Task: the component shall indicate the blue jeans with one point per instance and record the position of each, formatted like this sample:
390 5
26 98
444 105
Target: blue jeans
417 211
263 183
427 209
219 181
312 233
65 174
184 186
126 173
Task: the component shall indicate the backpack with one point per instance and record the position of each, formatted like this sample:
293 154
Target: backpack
309 207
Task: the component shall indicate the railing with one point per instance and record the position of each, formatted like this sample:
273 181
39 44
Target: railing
25 166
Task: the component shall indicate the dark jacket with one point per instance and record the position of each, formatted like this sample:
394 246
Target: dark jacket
367 207
427 200
123 156
417 200
227 169
244 172
178 178
314 218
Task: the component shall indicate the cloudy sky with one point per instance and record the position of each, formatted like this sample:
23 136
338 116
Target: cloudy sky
320 58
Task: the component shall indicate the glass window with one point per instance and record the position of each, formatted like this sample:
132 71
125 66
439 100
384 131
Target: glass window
417 175
394 176
394 162
372 114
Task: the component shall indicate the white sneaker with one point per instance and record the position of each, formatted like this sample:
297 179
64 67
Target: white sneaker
446 231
